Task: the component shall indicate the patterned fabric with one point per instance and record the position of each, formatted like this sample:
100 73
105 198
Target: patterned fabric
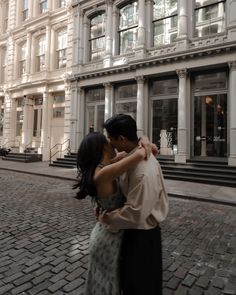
103 268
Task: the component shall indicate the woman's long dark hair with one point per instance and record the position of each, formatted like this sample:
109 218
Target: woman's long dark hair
89 155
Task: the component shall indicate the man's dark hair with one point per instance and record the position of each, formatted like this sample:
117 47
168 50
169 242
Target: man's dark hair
121 124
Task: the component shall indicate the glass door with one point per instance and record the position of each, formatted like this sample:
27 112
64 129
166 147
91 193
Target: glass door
210 125
95 117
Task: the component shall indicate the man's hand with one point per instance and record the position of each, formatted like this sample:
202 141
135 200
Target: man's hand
119 156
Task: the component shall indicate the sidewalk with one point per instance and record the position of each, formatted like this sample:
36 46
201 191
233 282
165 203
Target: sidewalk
175 188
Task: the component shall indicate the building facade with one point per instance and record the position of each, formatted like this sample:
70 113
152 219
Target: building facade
171 64
66 66
35 60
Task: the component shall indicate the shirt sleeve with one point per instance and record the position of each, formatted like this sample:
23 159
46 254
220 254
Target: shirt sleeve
141 199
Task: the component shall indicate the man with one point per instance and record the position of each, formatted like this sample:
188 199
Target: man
146 206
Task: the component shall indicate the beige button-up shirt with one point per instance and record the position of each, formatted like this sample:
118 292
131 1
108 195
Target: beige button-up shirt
147 201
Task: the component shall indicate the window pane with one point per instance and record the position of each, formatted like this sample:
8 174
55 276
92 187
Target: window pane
129 108
128 40
59 98
43 6
165 118
97 48
210 81
97 26
163 8
97 94
200 3
127 92
62 40
210 20
129 15
58 112
165 31
164 87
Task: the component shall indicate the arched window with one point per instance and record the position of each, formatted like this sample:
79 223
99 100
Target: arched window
209 17
97 36
128 27
165 21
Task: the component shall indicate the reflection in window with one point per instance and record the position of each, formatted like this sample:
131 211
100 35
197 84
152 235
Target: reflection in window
164 131
165 21
22 59
126 100
209 17
61 49
25 10
41 54
43 6
128 28
97 36
61 3
19 122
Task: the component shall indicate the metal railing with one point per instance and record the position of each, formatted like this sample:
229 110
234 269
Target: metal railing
59 149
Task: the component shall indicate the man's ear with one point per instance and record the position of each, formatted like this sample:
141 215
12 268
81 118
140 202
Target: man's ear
123 139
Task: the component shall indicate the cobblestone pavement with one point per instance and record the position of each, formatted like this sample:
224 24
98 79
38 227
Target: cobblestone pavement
44 238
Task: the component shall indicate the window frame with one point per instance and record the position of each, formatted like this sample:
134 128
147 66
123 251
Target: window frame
22 58
25 10
163 18
126 29
101 36
40 66
62 32
41 4
201 7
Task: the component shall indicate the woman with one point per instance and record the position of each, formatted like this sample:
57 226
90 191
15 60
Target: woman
99 178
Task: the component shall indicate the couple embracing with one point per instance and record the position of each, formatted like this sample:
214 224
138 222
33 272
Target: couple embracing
128 190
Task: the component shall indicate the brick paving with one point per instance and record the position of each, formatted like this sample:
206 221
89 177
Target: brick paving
44 239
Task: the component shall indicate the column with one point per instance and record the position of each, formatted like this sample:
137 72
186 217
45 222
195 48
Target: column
231 113
81 114
47 53
72 93
182 39
149 17
182 117
108 100
231 19
115 37
140 48
140 105
9 127
108 37
28 56
76 36
27 128
85 39
47 110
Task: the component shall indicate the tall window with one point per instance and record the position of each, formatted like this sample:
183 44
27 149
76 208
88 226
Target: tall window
43 6
3 63
128 27
41 54
165 21
25 10
22 59
164 97
209 17
59 106
61 49
19 116
126 99
97 36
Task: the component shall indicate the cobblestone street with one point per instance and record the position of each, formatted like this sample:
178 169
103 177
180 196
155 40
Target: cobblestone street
44 239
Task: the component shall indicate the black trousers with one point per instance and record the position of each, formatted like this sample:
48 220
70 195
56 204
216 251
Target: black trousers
141 262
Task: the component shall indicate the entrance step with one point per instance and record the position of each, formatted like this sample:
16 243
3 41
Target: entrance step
23 157
69 161
215 172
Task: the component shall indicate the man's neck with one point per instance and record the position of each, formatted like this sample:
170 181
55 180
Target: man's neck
130 146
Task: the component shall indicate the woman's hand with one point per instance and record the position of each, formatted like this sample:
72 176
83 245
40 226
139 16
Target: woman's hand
148 146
